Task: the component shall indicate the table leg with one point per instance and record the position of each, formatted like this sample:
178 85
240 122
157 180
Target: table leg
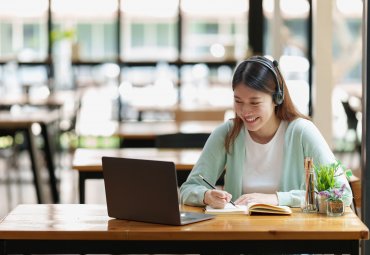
50 163
34 164
2 247
140 116
81 187
82 177
355 248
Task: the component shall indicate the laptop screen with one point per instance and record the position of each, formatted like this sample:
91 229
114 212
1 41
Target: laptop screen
143 190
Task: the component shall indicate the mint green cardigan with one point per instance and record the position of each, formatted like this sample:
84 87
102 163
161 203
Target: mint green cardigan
302 139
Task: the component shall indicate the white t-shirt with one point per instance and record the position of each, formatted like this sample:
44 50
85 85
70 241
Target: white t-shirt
264 163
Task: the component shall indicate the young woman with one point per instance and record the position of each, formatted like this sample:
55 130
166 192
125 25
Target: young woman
262 149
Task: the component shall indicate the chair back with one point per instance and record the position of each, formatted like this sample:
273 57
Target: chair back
355 184
352 120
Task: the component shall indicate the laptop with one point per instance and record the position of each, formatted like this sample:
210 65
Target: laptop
145 190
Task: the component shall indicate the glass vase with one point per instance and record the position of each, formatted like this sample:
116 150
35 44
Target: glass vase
335 208
321 203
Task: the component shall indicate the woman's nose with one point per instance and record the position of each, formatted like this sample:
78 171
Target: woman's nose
245 111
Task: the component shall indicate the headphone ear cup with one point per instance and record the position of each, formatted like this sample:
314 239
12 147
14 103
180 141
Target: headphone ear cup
278 98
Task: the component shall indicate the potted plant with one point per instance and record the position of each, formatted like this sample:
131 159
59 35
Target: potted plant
334 198
325 182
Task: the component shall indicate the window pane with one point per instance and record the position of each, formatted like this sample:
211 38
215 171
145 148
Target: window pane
214 30
149 33
110 36
205 28
137 38
93 28
163 31
347 44
84 40
6 40
289 46
23 30
347 73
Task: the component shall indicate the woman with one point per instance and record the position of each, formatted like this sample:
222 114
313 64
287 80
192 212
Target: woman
262 149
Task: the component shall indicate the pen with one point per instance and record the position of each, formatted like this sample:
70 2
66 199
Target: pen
213 187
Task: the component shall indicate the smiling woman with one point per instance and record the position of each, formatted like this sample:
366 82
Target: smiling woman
256 110
262 148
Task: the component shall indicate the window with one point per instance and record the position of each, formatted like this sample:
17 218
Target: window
23 31
149 33
214 30
286 38
347 42
347 73
93 29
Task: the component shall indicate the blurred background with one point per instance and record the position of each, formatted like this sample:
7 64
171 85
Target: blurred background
102 63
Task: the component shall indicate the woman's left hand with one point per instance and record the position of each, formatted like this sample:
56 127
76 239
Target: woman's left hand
257 198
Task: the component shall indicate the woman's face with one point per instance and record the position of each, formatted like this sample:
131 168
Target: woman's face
255 108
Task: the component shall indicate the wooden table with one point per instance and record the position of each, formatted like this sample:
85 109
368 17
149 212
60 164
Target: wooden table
89 166
81 229
54 100
22 122
143 133
150 129
200 108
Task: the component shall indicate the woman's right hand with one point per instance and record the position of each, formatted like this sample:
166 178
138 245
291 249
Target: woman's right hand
216 198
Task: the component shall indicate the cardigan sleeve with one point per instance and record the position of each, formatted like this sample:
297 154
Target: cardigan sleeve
210 164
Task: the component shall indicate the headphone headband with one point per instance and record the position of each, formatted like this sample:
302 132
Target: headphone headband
278 96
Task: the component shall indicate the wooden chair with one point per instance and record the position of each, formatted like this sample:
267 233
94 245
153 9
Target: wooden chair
352 123
355 184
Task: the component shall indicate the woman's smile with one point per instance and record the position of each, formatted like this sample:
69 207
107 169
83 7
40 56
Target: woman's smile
250 120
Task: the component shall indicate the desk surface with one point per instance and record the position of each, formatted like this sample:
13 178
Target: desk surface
90 159
90 222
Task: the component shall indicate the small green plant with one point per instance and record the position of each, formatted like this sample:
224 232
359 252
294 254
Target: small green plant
325 175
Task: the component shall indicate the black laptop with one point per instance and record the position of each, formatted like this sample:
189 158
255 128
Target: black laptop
144 190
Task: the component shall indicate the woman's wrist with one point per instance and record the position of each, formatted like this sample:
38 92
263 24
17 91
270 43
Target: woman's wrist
204 197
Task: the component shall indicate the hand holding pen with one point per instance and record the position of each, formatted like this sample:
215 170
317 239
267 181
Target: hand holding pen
216 198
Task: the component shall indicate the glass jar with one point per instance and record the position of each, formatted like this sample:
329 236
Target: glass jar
308 204
321 202
335 207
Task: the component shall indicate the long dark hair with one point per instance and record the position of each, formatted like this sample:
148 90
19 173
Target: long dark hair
253 74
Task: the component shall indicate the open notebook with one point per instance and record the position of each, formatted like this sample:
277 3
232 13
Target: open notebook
251 208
